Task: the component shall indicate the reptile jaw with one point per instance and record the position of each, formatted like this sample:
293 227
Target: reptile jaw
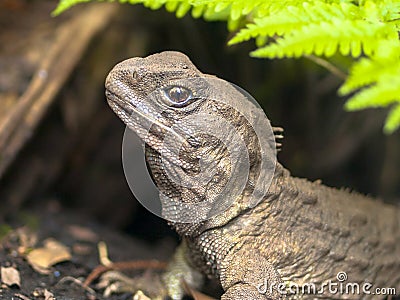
150 130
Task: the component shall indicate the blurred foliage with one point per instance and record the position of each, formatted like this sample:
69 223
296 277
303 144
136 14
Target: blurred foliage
364 30
4 230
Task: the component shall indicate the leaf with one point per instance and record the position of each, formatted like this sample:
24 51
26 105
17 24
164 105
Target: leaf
182 10
378 83
393 120
326 38
10 276
293 28
53 252
379 95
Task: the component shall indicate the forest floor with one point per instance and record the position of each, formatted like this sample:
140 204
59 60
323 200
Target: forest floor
51 255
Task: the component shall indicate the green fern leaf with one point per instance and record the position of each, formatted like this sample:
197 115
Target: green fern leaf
171 6
363 72
294 28
183 8
326 38
198 11
382 66
63 5
393 120
379 75
152 4
380 95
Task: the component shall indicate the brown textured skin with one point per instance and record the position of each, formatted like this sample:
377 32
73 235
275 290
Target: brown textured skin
302 232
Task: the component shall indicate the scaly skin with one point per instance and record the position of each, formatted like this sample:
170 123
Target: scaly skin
300 233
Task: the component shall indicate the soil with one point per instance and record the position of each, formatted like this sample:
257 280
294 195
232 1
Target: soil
81 236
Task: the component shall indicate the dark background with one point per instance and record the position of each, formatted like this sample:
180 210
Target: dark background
322 141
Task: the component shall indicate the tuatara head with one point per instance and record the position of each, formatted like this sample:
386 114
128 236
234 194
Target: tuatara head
201 146
130 83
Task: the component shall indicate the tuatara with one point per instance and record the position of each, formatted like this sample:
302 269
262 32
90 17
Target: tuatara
298 239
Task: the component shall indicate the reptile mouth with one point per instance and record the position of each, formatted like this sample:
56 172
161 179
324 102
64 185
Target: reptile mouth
117 103
137 117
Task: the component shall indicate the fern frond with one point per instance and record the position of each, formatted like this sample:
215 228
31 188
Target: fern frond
326 38
393 120
382 94
275 19
379 80
293 28
363 73
209 9
318 28
262 27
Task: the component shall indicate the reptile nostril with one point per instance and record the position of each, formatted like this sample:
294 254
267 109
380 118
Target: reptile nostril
134 75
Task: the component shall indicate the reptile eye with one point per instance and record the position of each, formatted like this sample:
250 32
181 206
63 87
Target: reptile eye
179 96
134 75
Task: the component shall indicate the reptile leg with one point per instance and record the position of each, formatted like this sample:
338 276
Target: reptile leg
249 276
178 269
